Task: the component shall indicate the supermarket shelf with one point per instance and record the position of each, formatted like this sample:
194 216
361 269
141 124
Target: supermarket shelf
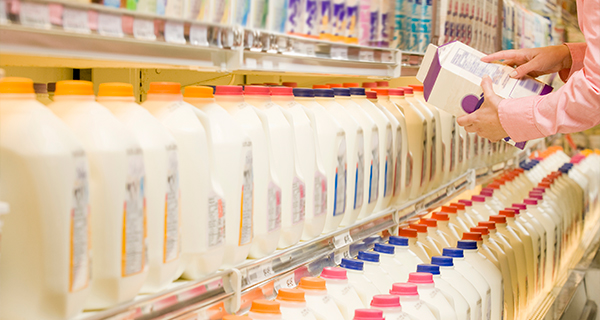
232 290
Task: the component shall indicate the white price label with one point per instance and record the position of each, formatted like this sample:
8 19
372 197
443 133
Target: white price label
251 63
340 53
298 47
260 273
143 29
342 240
267 64
366 55
199 35
76 20
386 56
286 282
110 25
35 15
342 254
174 32
3 11
472 179
310 50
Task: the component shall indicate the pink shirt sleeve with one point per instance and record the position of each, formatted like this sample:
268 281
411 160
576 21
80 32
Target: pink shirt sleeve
577 54
572 108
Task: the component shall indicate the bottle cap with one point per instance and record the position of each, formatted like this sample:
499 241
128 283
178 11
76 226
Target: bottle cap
507 213
498 218
408 232
83 88
530 201
540 189
292 295
265 306
520 206
312 283
442 261
357 91
467 203
486 193
466 244
491 225
344 92
453 252
382 83
493 186
429 268
352 264
368 256
16 85
398 241
193 92
334 273
483 230
488 189
381 91
368 314
228 90
257 91
335 85
282 91
420 277
429 222
440 216
321 86
421 228
303 93
475 236
371 94
404 289
385 301
396 92
478 198
458 206
351 85
384 248
408 90
416 87
290 84
369 85
323 93
515 210
448 209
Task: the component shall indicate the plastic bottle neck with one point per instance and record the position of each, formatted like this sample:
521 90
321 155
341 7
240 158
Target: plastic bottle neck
199 100
74 97
115 99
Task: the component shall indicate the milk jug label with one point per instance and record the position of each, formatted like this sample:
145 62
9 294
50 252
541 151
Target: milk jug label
298 200
216 221
488 305
339 202
134 215
360 171
320 194
398 166
171 245
374 174
80 242
325 13
433 152
274 203
453 148
389 160
461 148
247 206
424 154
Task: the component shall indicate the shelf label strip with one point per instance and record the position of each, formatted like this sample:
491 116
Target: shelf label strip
287 282
35 15
174 32
199 35
76 20
110 25
143 29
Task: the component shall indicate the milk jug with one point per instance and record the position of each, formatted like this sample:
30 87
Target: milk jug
355 153
443 300
117 194
310 161
320 304
374 271
464 222
265 310
443 221
55 214
395 268
162 182
342 292
552 241
262 230
415 246
403 165
293 305
368 314
281 136
202 209
432 230
357 278
370 175
431 245
332 144
411 304
390 306
480 209
386 148
403 254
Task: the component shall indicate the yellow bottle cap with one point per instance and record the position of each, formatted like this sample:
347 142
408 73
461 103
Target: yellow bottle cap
198 92
115 89
165 87
16 85
74 88
265 306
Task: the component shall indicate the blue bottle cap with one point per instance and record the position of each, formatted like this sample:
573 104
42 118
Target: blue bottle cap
323 93
453 252
429 268
345 92
398 241
467 244
442 261
384 248
304 93
368 256
357 91
352 264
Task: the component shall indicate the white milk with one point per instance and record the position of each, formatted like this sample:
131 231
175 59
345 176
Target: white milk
436 297
49 210
332 144
386 148
117 198
318 301
202 208
310 162
355 193
372 155
293 305
281 135
404 255
411 304
374 271
342 292
390 305
357 278
162 182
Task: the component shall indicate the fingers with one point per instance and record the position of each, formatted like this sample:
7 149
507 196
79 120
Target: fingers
501 55
466 120
488 89
524 69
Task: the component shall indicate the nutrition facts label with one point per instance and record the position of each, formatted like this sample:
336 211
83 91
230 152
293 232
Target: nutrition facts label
274 210
79 272
134 215
339 202
374 170
216 220
473 64
360 171
320 193
298 200
389 160
247 196
171 238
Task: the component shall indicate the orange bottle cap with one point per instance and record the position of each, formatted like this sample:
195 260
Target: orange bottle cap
115 89
312 283
292 295
416 87
351 85
16 85
198 92
320 86
74 88
165 87
421 228
265 306
476 236
335 85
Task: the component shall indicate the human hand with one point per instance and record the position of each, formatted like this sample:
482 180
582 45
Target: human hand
485 121
535 62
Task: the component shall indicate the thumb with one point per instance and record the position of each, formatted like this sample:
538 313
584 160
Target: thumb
488 89
524 69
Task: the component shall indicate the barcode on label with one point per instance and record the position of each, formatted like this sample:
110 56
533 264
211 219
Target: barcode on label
286 282
260 273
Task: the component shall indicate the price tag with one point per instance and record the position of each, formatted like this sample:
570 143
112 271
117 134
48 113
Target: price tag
260 273
472 179
251 63
76 20
174 32
143 29
310 50
286 282
340 53
199 35
342 254
3 18
386 56
366 55
298 48
267 64
110 25
35 15
342 240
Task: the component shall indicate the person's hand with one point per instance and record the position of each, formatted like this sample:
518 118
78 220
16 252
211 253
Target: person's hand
485 121
534 62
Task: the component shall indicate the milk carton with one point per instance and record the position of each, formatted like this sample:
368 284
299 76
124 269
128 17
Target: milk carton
461 66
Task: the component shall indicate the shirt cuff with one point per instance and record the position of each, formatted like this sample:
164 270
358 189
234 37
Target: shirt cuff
577 55
516 117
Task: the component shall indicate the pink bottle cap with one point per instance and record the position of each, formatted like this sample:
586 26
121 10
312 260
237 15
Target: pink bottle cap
420 277
516 210
290 84
487 193
385 301
520 206
371 95
282 91
334 273
369 85
488 189
407 90
530 201
368 314
256 91
536 196
467 203
478 198
404 289
540 189
383 83
228 91
396 92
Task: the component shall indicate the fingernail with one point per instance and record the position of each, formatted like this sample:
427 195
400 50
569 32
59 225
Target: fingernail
513 74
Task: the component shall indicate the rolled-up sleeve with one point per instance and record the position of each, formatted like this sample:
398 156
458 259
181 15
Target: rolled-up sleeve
575 106
577 55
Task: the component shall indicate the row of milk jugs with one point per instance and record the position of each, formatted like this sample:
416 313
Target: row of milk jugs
140 195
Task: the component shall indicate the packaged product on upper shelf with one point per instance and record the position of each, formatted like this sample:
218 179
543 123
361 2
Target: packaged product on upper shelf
460 65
